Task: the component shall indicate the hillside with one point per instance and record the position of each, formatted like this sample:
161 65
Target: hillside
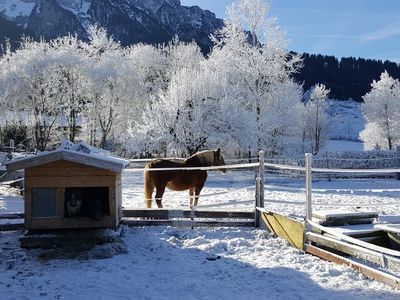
347 78
11 32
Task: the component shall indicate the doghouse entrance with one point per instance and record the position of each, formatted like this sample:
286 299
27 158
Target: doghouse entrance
90 202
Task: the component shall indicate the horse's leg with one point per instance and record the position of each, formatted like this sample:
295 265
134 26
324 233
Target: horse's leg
159 193
197 191
191 196
148 189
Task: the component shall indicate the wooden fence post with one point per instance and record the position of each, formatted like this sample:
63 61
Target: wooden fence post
12 145
397 161
257 203
308 189
328 165
261 175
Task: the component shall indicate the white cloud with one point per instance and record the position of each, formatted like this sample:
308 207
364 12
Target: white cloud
387 32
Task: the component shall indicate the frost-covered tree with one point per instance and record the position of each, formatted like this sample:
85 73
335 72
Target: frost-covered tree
381 110
239 96
122 82
281 131
315 118
108 82
181 55
145 71
181 118
66 84
70 63
175 117
30 83
254 66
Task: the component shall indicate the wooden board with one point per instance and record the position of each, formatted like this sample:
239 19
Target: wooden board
344 222
372 273
395 228
357 231
383 260
186 223
71 223
284 227
186 213
67 181
66 169
335 215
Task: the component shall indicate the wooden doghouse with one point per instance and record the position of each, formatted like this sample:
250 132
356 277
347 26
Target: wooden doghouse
67 189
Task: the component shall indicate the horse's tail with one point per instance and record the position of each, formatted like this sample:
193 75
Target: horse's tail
148 186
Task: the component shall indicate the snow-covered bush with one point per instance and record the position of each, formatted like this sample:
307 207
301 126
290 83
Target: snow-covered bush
374 159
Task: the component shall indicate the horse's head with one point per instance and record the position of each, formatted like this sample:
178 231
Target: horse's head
219 159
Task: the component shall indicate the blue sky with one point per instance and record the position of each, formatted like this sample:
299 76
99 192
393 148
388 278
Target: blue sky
360 28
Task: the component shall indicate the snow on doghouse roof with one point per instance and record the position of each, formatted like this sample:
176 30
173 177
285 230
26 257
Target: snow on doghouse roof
80 153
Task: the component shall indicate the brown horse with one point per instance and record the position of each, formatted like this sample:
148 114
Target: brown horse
179 180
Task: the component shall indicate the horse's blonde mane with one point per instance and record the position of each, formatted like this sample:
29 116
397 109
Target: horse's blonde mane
206 157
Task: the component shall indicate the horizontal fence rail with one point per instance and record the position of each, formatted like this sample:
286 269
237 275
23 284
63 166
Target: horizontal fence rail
186 213
210 168
333 171
187 218
139 160
10 182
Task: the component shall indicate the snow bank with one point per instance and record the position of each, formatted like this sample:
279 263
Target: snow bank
171 263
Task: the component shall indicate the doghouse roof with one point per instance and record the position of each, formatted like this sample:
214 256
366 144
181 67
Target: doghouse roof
96 160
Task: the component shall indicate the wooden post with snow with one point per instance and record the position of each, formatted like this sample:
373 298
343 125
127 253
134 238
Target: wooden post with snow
12 145
257 203
308 189
398 161
259 189
261 175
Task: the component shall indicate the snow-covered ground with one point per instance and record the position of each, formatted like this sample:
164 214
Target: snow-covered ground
345 124
178 263
342 145
345 120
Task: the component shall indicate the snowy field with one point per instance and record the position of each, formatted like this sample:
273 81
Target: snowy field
236 263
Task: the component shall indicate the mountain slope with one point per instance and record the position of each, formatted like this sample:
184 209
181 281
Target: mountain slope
129 21
50 20
9 31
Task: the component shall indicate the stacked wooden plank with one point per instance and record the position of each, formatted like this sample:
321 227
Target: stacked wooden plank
340 218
